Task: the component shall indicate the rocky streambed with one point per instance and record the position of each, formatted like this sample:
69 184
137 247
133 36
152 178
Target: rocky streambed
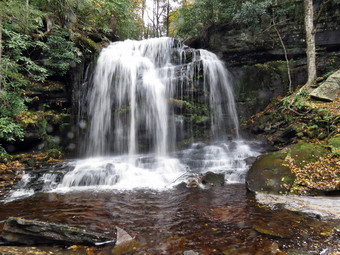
204 216
186 220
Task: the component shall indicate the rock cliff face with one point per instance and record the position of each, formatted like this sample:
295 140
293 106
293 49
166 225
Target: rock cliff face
256 58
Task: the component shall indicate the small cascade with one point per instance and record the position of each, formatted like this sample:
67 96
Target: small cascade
216 78
128 99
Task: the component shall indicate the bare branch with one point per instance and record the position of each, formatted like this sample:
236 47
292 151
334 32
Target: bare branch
319 14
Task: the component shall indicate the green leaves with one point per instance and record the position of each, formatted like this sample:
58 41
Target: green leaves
17 45
60 52
9 130
192 18
251 12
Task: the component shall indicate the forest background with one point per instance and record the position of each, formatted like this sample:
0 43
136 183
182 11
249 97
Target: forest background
42 40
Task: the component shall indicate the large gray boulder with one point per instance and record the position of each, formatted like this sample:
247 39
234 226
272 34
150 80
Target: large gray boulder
328 90
32 232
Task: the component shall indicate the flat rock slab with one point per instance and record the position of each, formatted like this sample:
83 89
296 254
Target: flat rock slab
32 232
328 90
324 207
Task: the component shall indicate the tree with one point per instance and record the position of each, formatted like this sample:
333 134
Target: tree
253 14
0 52
193 17
158 19
311 18
310 40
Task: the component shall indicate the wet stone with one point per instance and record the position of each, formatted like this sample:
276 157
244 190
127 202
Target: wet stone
272 229
190 252
32 232
269 174
213 179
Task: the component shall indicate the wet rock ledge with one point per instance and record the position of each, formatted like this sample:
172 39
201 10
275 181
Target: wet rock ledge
32 232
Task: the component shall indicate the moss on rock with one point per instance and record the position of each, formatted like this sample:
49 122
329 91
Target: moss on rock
270 174
284 171
334 144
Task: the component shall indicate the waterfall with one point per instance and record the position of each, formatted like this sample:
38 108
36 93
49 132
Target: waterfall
134 81
216 77
143 98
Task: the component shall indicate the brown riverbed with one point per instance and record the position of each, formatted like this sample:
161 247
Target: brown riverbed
219 220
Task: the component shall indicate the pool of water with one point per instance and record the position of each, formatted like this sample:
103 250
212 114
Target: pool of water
151 199
216 220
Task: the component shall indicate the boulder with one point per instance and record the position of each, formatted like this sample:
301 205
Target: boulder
32 232
213 179
271 172
328 90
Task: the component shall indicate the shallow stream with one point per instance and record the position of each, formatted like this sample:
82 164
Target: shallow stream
218 220
172 218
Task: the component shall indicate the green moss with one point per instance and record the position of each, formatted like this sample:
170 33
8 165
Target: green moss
304 153
334 144
123 110
270 174
88 42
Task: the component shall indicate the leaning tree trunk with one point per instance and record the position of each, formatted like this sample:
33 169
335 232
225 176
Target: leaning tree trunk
310 40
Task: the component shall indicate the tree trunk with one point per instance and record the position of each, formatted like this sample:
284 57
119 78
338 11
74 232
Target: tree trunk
310 40
0 53
167 18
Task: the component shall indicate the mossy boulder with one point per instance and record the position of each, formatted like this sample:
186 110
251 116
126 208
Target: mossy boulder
304 153
272 173
334 144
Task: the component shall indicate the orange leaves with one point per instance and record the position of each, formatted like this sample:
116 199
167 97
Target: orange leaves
322 175
11 171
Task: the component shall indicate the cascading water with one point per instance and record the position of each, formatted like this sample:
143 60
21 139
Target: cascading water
128 94
133 83
143 99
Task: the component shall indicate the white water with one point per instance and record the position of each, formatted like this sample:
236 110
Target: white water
133 129
117 173
216 78
129 100
129 94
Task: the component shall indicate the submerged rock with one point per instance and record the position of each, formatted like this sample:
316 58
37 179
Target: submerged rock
125 244
272 229
328 90
32 232
123 236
